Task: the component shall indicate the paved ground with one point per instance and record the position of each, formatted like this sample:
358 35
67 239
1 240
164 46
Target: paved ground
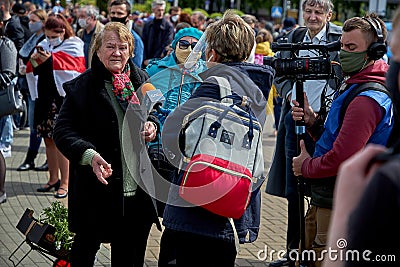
21 192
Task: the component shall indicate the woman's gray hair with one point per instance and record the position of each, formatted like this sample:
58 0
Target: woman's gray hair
327 5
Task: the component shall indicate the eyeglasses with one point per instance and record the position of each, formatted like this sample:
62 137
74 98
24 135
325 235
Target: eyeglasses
183 44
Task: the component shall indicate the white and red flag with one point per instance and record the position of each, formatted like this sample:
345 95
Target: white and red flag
68 63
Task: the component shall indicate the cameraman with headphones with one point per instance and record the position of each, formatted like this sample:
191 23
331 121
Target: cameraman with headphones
356 117
281 180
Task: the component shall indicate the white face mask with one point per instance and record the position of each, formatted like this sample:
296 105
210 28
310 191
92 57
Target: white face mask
54 42
82 23
35 27
174 18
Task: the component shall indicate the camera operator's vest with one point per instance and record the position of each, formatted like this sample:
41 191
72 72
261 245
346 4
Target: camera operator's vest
322 190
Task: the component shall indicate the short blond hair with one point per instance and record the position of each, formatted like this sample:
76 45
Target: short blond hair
231 38
121 30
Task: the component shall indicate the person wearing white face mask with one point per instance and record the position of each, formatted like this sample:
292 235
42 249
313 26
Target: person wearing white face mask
57 59
90 27
36 22
174 13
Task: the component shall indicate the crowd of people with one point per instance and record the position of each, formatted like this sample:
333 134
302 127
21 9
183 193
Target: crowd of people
25 24
84 74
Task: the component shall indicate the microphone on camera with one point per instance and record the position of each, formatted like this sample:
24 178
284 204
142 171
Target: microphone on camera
329 47
153 98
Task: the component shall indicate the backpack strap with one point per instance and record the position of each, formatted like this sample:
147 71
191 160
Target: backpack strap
224 89
228 97
358 90
298 34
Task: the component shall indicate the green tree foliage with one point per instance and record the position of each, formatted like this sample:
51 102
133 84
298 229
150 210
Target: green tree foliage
238 12
141 7
253 6
187 10
202 11
216 15
102 5
87 2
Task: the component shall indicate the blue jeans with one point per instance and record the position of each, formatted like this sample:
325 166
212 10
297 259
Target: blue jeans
6 130
34 139
291 142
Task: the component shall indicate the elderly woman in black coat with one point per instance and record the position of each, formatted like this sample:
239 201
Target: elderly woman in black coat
102 130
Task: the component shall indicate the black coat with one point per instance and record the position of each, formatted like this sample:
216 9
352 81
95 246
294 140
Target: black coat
47 92
15 31
156 37
87 120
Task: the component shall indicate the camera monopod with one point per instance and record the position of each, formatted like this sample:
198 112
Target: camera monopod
300 130
290 66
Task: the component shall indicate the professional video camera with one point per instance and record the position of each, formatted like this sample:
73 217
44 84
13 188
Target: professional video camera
303 68
291 66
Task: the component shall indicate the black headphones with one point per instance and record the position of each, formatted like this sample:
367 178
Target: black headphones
377 49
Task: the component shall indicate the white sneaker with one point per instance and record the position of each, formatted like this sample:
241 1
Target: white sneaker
6 151
3 198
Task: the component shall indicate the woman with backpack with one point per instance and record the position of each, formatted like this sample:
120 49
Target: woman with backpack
203 236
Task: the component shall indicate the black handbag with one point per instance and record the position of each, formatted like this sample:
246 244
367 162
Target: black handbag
10 99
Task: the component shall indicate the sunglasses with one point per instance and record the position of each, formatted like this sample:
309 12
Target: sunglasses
183 44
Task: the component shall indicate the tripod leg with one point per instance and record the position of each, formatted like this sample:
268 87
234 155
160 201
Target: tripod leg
300 130
303 261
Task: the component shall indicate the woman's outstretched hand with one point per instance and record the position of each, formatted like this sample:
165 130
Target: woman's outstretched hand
101 168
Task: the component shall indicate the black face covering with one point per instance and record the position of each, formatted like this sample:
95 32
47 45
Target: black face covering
120 20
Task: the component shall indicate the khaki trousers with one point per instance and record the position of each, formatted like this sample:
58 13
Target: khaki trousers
316 234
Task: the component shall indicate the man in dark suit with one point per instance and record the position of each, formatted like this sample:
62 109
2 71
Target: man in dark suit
157 34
